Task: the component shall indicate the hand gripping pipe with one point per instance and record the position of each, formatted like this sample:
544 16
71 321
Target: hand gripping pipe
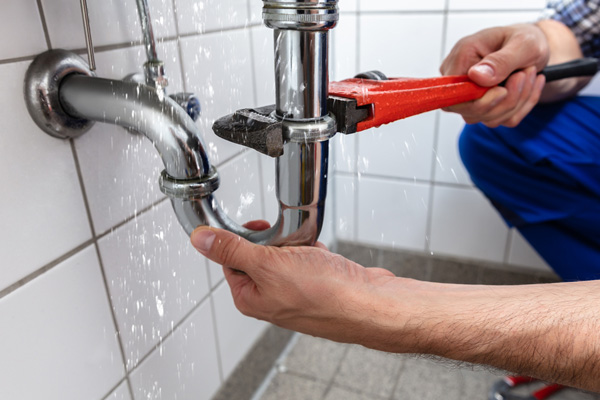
64 99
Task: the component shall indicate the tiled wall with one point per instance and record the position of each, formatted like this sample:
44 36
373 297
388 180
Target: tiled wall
403 185
89 245
101 296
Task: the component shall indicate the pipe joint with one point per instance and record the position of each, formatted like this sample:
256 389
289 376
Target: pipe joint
311 15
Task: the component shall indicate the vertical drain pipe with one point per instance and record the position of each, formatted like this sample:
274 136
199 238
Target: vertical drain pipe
301 82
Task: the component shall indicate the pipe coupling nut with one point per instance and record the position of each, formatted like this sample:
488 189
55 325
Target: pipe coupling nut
307 15
303 131
196 188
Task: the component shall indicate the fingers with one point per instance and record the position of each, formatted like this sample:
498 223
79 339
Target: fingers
228 249
505 105
518 50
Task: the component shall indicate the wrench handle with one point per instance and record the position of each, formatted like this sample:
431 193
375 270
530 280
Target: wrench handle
580 67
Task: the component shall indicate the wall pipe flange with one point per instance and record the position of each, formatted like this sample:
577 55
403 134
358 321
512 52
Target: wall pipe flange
189 188
41 89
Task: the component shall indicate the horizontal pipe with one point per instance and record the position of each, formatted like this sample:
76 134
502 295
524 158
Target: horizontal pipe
145 110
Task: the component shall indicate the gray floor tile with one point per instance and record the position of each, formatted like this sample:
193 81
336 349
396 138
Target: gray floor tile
363 255
369 371
478 382
254 368
292 387
491 276
315 357
449 271
337 393
429 380
407 265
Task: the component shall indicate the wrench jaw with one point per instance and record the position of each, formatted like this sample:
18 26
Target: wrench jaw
255 128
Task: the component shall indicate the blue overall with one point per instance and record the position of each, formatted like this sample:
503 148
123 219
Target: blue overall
544 178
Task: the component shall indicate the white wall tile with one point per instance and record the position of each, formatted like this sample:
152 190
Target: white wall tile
236 332
343 48
41 194
111 22
464 224
58 337
255 7
348 5
345 203
327 236
387 44
403 149
268 169
392 213
215 272
21 29
522 254
120 168
218 69
184 366
401 5
496 5
240 193
210 15
344 152
467 23
264 65
155 277
448 165
120 393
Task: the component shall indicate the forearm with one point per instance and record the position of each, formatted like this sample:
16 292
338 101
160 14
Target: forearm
551 331
563 47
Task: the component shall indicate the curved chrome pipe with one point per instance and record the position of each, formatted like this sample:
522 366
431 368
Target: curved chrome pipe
145 110
301 171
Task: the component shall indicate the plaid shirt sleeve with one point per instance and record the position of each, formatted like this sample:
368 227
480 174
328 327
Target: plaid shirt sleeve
582 17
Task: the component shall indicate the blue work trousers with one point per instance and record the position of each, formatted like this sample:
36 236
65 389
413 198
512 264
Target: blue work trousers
544 178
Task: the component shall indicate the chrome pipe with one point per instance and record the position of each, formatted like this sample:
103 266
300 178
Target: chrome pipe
145 21
154 70
145 110
189 178
301 73
301 188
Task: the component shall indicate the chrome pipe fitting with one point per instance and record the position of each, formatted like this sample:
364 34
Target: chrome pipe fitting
154 70
301 56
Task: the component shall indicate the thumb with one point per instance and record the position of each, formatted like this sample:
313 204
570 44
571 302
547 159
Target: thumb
497 66
227 249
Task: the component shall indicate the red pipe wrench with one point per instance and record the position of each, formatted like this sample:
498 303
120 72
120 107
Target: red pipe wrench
371 100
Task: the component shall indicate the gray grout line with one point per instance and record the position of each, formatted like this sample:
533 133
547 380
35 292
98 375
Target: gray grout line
441 11
23 281
405 180
213 315
114 388
113 315
337 370
100 262
131 218
170 332
274 370
82 187
230 160
44 24
17 59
